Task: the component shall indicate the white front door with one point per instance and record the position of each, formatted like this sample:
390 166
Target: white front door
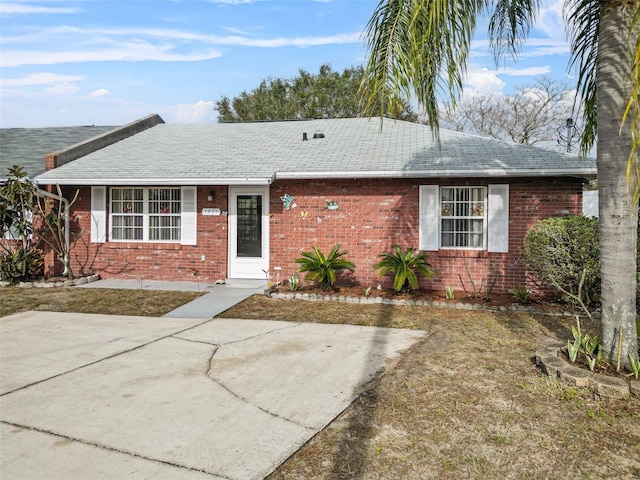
248 232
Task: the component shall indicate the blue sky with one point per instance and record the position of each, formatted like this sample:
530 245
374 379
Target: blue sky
100 62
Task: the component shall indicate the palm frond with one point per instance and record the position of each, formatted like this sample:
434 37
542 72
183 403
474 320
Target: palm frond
632 110
323 269
420 48
583 22
509 26
406 266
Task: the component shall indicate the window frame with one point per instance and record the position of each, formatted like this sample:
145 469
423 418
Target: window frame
497 221
470 217
146 214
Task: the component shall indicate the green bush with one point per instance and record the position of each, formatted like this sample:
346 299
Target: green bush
565 253
21 265
406 266
323 269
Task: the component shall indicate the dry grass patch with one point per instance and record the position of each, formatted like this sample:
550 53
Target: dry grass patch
148 303
465 402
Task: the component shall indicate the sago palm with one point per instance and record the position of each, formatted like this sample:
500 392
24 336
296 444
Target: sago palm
406 267
323 269
421 47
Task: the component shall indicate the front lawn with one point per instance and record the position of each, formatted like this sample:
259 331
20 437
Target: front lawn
147 303
465 402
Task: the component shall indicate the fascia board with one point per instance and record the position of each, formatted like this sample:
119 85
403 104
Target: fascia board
154 181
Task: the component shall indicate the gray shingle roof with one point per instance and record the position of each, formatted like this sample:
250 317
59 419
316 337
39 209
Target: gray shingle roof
261 152
28 146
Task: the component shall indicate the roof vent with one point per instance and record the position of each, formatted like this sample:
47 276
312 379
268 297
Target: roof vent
304 136
318 134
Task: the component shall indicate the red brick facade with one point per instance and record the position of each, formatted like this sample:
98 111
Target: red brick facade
372 216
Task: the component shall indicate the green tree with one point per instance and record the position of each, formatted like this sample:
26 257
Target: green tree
421 48
327 94
20 257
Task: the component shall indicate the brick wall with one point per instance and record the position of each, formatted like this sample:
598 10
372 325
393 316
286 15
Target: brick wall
156 261
372 216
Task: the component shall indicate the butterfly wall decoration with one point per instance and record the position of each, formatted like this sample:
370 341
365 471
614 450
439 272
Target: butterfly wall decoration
288 201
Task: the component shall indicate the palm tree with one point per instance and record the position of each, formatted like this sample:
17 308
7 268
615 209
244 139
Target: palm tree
406 267
420 47
323 269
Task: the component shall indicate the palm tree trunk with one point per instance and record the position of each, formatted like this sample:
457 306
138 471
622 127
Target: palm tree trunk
618 213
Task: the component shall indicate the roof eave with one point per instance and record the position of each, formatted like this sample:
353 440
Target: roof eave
154 181
559 172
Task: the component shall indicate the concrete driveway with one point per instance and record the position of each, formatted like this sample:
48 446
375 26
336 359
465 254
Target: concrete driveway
96 396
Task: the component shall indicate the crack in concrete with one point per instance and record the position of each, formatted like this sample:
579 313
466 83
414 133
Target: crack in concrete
191 340
210 376
113 449
117 354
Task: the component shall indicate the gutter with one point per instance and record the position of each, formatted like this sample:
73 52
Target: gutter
156 181
163 181
532 172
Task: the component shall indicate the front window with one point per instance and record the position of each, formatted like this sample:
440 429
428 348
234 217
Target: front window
145 214
462 217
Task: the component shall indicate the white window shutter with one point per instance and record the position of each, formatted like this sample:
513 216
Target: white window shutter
189 221
429 218
98 214
498 219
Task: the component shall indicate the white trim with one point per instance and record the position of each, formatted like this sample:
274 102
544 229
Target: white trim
154 182
483 217
429 218
145 215
189 216
248 267
98 214
498 218
496 172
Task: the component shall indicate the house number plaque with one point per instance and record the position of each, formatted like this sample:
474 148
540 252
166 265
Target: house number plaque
211 211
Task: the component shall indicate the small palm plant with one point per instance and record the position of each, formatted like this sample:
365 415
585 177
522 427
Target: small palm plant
323 268
406 266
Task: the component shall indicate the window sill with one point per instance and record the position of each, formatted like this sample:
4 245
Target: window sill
143 246
461 253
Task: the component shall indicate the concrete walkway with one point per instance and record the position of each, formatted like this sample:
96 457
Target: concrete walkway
110 397
217 299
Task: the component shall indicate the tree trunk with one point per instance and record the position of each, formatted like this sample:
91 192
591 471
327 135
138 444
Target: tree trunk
618 213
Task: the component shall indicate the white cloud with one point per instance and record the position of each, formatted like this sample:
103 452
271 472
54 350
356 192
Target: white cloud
482 81
132 52
200 112
525 72
150 44
21 8
39 79
101 92
63 89
550 20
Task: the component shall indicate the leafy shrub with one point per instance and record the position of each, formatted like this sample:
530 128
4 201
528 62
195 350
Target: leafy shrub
323 269
565 253
521 294
406 266
21 265
20 259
